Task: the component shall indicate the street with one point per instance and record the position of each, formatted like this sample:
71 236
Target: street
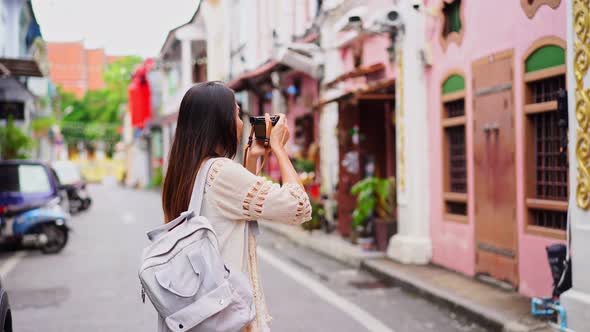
93 286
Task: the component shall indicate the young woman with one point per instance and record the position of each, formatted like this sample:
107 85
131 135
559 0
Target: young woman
209 126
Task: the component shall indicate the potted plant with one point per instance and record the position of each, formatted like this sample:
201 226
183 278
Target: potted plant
317 213
385 212
375 210
364 211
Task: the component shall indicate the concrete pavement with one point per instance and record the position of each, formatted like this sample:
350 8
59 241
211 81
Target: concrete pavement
92 285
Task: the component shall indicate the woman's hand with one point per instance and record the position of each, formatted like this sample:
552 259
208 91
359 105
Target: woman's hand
257 150
279 134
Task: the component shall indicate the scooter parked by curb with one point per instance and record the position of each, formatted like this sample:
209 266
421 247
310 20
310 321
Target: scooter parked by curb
30 211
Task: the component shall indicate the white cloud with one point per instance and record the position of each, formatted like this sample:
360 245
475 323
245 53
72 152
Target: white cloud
120 26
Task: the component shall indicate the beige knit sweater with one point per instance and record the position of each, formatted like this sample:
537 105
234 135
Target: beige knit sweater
233 196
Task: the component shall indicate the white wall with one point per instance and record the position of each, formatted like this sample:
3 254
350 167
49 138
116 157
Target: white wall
218 23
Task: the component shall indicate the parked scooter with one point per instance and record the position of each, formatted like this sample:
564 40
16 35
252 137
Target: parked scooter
30 211
70 179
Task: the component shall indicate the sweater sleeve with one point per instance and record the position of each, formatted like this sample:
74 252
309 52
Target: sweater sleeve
240 195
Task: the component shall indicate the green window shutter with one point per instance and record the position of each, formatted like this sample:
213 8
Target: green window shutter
453 84
545 57
455 16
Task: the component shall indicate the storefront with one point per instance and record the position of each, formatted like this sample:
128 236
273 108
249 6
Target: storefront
499 183
366 121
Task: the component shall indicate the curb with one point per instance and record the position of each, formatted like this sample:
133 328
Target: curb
485 317
437 296
489 319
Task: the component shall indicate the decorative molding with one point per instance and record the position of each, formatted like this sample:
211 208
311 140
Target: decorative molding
581 63
400 123
530 7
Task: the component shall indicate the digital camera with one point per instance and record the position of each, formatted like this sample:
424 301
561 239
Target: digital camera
259 124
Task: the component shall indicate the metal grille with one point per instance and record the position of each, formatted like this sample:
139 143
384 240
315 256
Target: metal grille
457 160
455 108
551 168
549 219
457 208
546 89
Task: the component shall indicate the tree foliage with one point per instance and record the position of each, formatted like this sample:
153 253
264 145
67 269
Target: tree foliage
14 144
98 115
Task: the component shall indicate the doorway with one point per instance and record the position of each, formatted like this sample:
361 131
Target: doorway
494 168
366 136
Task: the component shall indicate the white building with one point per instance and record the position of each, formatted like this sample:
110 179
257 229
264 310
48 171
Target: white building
22 56
182 62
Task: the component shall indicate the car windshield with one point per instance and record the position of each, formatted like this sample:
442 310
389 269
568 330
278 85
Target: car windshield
24 178
68 173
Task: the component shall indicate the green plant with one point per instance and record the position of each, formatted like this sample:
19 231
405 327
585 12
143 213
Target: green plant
303 165
317 213
157 179
386 195
374 196
97 116
42 125
14 144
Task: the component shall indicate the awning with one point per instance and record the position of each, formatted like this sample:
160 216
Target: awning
20 67
376 87
241 82
302 57
358 72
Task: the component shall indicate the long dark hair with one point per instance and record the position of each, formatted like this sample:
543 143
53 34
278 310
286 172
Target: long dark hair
206 128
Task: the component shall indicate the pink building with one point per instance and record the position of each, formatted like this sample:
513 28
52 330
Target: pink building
366 104
499 183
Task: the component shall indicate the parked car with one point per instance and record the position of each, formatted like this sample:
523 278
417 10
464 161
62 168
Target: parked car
70 179
30 211
5 313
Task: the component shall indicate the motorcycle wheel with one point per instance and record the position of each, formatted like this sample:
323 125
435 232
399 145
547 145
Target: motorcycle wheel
57 237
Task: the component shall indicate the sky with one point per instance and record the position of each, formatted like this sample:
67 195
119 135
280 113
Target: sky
122 27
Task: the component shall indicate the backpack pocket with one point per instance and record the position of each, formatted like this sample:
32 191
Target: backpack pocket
181 276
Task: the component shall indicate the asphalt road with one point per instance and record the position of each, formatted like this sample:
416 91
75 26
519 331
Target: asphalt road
93 286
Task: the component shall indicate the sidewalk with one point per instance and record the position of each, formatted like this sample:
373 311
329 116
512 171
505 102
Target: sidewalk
497 309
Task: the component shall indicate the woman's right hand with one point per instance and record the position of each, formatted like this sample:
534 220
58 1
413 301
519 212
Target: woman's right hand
279 134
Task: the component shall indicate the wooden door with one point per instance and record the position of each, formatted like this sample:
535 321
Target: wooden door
495 175
349 165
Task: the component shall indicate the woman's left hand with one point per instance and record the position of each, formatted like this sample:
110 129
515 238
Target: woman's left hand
257 149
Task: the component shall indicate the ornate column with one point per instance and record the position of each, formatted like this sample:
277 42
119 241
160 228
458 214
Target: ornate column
577 300
412 243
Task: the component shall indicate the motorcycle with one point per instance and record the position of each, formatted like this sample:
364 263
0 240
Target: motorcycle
30 212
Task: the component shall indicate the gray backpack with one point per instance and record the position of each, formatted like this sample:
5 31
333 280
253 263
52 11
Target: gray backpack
184 276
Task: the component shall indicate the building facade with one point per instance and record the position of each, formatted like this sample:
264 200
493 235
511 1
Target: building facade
459 109
499 184
23 63
77 69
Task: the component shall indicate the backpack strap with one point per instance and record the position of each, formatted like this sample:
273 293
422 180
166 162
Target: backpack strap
199 187
156 233
194 207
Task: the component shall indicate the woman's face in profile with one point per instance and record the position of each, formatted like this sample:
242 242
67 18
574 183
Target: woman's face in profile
239 123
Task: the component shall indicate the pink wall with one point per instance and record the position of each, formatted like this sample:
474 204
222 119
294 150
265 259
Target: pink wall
490 26
374 51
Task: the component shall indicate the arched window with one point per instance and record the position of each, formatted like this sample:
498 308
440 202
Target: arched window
454 148
546 171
